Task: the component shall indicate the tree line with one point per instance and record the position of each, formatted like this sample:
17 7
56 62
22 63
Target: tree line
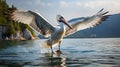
11 26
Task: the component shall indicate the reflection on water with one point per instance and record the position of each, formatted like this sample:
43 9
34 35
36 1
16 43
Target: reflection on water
54 61
104 52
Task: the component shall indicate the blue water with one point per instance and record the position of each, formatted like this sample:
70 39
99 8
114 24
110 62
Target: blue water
91 52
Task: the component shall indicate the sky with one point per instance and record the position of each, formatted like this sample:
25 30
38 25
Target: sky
67 8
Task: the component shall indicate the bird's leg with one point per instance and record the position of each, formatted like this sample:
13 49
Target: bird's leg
51 49
58 51
59 45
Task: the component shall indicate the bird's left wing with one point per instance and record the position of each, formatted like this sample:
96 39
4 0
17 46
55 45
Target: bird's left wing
34 20
86 22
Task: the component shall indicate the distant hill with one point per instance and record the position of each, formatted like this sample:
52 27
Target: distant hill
109 28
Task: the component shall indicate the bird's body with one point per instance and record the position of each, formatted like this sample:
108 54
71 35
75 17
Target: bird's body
56 36
41 25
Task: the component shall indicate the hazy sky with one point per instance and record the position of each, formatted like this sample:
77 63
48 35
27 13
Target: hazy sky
68 8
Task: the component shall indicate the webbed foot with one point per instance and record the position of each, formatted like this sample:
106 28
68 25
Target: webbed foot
59 52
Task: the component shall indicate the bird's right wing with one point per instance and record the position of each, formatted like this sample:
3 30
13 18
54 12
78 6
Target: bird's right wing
35 20
86 22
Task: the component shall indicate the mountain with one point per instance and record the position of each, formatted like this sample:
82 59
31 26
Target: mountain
109 28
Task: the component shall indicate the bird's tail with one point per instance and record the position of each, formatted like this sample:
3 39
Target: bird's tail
45 44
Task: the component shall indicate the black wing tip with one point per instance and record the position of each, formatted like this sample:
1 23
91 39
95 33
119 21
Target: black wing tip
105 17
105 13
102 12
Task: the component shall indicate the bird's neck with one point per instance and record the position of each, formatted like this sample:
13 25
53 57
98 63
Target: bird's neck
61 25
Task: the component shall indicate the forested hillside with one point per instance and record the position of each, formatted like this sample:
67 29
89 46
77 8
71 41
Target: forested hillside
11 27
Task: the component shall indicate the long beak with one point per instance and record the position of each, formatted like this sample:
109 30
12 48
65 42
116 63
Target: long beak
65 22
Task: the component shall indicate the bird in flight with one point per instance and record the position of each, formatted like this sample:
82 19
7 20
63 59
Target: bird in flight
55 34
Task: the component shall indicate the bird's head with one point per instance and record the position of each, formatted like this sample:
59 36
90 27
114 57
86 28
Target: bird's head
61 19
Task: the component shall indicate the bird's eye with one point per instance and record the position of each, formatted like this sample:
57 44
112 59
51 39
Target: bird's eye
61 17
60 20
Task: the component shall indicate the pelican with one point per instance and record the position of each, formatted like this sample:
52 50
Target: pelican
55 34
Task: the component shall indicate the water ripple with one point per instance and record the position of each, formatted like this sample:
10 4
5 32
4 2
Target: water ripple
84 53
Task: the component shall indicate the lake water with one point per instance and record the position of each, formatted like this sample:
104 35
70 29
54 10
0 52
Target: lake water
91 52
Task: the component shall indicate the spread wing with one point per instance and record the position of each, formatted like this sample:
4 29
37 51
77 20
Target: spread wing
86 22
34 20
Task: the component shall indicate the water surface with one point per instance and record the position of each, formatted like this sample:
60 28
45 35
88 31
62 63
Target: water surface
93 52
